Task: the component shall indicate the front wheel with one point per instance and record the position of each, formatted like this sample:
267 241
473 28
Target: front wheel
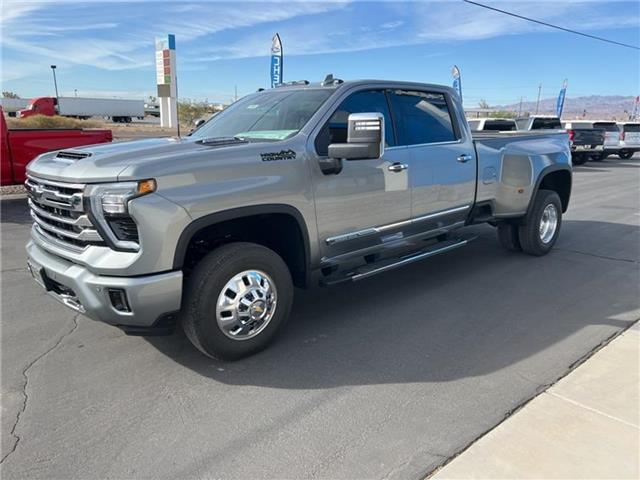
542 226
236 300
625 155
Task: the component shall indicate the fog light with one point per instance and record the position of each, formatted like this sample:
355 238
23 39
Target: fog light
118 299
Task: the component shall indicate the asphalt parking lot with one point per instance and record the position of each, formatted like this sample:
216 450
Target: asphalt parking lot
386 378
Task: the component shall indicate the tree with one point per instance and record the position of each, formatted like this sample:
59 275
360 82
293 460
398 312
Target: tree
8 94
483 103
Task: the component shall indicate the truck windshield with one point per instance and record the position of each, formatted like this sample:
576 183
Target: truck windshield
267 116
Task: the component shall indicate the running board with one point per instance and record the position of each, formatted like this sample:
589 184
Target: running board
366 271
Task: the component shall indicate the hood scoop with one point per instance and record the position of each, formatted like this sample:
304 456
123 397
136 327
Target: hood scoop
71 155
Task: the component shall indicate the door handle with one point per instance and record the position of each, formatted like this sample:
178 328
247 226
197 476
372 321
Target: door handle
397 167
464 158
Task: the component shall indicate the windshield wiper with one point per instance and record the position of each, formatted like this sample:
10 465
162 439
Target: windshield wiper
222 140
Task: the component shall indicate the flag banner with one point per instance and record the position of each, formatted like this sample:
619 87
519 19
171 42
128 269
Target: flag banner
560 102
457 81
276 61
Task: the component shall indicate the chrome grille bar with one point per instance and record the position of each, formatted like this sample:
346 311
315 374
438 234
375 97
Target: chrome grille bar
57 209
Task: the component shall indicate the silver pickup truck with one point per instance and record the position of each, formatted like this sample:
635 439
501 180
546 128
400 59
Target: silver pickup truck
300 185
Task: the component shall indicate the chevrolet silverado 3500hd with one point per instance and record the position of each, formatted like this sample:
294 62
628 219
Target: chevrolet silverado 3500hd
300 185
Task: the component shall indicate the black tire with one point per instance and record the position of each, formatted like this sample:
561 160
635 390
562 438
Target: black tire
625 155
529 232
598 158
205 285
579 159
508 237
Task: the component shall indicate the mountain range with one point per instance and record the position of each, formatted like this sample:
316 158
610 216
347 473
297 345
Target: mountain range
602 107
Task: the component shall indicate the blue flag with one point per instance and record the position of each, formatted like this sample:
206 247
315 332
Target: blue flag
276 60
560 102
457 81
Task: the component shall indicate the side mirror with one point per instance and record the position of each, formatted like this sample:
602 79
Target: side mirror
365 138
199 123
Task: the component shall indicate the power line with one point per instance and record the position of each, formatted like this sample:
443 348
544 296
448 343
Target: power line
635 47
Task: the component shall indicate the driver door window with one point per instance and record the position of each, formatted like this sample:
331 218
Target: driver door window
335 130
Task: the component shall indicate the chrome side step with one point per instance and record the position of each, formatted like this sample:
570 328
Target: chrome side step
389 264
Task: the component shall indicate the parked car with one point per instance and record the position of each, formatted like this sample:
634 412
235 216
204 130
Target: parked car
539 122
343 181
495 124
19 147
587 142
118 110
611 137
629 139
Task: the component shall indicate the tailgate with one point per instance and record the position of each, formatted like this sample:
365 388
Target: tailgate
588 137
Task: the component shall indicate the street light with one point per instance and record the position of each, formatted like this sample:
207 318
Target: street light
55 83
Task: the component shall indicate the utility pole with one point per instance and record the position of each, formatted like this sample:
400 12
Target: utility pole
55 82
520 107
539 92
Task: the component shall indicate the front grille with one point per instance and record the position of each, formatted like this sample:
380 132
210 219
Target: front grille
57 210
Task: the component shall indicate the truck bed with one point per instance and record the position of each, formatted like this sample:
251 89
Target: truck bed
508 163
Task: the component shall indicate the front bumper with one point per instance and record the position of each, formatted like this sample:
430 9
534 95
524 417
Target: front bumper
150 298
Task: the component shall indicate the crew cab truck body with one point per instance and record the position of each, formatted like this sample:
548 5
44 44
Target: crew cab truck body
19 147
587 141
629 139
302 185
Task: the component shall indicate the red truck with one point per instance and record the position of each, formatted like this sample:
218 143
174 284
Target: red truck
19 147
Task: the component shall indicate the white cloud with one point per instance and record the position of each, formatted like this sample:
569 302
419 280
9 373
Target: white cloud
77 39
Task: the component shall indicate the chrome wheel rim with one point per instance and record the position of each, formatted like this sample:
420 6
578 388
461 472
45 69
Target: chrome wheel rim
548 223
246 304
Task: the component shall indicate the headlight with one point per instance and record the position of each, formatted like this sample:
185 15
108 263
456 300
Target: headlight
110 208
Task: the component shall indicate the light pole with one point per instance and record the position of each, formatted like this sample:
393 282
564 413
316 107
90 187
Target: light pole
539 92
55 83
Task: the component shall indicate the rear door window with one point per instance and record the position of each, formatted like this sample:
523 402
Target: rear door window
421 117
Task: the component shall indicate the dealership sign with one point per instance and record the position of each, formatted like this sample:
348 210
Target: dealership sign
276 60
166 80
560 102
457 81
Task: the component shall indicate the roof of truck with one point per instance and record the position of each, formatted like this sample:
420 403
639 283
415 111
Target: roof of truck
337 83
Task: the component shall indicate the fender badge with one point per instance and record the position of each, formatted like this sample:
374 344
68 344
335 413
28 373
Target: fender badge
276 156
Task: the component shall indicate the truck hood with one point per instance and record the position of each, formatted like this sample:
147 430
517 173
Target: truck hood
104 162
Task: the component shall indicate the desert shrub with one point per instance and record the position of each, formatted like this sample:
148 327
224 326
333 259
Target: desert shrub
44 122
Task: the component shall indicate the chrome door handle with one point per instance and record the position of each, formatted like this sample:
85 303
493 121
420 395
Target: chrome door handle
464 158
397 167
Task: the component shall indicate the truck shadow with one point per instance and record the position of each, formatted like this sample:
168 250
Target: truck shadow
463 314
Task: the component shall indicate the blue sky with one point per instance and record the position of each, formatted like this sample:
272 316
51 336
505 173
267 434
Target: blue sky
107 48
